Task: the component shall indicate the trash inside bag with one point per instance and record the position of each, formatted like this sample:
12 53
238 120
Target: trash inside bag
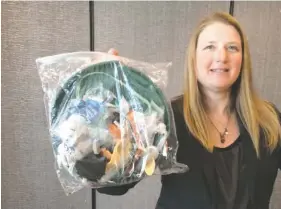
110 123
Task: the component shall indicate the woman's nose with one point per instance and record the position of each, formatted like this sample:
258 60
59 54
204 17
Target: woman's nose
221 55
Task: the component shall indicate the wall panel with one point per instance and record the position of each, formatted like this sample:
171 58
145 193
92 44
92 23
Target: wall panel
30 30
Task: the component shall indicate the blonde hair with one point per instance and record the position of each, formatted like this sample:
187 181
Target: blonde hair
255 113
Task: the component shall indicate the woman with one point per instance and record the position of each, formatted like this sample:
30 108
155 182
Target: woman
228 136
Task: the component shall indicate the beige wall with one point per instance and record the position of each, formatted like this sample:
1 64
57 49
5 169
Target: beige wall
30 30
149 31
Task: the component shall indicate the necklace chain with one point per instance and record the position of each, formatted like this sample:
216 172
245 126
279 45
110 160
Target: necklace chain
225 132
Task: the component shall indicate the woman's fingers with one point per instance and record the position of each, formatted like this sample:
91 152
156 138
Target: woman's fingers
113 52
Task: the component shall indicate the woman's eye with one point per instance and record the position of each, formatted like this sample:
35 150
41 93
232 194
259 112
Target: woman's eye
233 48
210 47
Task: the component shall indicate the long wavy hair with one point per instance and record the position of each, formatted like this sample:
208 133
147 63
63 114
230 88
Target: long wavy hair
258 116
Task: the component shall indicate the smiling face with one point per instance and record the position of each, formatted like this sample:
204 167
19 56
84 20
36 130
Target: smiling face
218 57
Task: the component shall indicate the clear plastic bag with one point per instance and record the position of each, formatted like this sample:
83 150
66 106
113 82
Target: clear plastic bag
110 122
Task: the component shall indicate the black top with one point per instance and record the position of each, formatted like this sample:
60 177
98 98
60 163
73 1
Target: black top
227 164
228 178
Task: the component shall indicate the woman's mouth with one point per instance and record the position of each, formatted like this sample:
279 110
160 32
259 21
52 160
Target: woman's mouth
220 70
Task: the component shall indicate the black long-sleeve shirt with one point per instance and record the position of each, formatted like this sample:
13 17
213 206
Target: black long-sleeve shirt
228 178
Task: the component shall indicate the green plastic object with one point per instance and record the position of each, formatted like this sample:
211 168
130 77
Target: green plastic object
141 93
139 90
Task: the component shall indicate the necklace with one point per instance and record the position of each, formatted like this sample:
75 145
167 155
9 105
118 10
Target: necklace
224 133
